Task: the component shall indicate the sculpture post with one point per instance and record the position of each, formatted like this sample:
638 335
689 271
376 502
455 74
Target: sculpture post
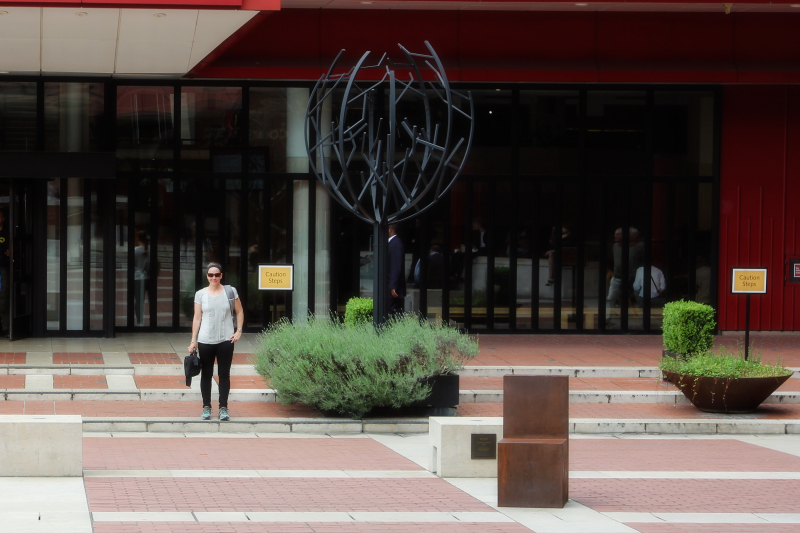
389 169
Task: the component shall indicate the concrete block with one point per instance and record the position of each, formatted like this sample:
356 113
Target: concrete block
752 427
793 428
47 396
104 426
200 426
39 358
29 370
610 426
41 445
39 382
399 427
103 395
451 445
93 370
326 427
681 427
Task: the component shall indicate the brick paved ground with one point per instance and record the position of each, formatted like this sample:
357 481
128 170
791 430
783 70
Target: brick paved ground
603 384
687 495
287 494
77 358
160 382
155 358
12 358
686 455
602 350
12 381
167 358
306 527
152 408
79 382
136 408
232 454
714 528
642 410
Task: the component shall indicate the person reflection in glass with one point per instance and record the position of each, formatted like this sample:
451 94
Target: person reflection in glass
141 255
435 269
567 240
619 288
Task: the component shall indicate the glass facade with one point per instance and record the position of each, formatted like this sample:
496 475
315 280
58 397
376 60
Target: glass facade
579 208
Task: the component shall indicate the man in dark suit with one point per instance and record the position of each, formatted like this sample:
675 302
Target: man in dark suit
397 275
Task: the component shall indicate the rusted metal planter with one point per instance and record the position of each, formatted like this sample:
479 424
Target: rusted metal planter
725 395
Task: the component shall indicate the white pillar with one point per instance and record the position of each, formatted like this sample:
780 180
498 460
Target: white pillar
297 162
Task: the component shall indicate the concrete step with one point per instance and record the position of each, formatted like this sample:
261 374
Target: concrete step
709 426
269 395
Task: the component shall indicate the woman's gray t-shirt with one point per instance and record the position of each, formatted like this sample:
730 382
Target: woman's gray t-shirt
216 324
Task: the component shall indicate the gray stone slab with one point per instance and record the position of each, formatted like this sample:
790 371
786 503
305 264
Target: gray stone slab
39 358
142 517
118 382
39 382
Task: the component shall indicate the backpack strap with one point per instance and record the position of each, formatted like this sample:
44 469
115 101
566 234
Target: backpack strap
232 302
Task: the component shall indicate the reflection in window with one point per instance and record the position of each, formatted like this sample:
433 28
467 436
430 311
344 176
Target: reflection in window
210 134
145 128
267 129
73 117
616 133
494 133
683 133
549 132
18 116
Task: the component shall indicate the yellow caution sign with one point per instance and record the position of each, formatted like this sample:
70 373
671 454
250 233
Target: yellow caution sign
275 277
749 280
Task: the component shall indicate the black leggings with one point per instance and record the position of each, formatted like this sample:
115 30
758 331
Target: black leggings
223 353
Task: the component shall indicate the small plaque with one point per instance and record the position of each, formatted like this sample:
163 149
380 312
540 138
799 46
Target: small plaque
484 446
275 277
794 270
749 280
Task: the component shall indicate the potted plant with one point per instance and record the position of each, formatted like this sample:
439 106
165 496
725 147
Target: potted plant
688 328
724 382
353 369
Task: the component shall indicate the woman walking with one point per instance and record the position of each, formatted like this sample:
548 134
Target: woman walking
213 335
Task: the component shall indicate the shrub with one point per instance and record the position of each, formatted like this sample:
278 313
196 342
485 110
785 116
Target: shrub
688 327
723 365
358 311
352 370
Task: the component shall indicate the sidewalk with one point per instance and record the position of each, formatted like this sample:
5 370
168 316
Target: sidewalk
183 483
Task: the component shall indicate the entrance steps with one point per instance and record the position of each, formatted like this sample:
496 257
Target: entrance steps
143 391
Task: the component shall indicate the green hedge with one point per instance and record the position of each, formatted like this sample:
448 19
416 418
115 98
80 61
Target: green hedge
724 364
351 370
688 327
358 311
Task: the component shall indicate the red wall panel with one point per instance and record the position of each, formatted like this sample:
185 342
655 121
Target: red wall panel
759 193
527 46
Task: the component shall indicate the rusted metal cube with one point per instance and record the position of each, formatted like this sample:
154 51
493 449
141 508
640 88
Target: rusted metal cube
533 456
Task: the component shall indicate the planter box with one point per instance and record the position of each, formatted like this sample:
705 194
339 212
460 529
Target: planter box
725 395
442 401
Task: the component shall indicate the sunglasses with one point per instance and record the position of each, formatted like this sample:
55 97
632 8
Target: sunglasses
214 274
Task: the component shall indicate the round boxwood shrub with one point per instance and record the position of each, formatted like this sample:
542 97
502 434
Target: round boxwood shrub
688 327
358 311
352 370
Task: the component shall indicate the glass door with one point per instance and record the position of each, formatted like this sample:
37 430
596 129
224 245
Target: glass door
17 264
77 212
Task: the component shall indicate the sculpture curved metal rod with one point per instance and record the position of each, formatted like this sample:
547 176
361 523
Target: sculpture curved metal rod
390 169
392 185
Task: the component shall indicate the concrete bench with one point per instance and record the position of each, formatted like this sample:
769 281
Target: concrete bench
41 446
451 444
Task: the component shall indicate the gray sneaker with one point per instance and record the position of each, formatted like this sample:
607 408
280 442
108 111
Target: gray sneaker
223 414
206 413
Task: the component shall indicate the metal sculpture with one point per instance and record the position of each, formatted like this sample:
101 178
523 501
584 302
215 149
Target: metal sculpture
405 168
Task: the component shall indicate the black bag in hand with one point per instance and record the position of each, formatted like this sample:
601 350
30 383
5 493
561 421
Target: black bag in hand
191 367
